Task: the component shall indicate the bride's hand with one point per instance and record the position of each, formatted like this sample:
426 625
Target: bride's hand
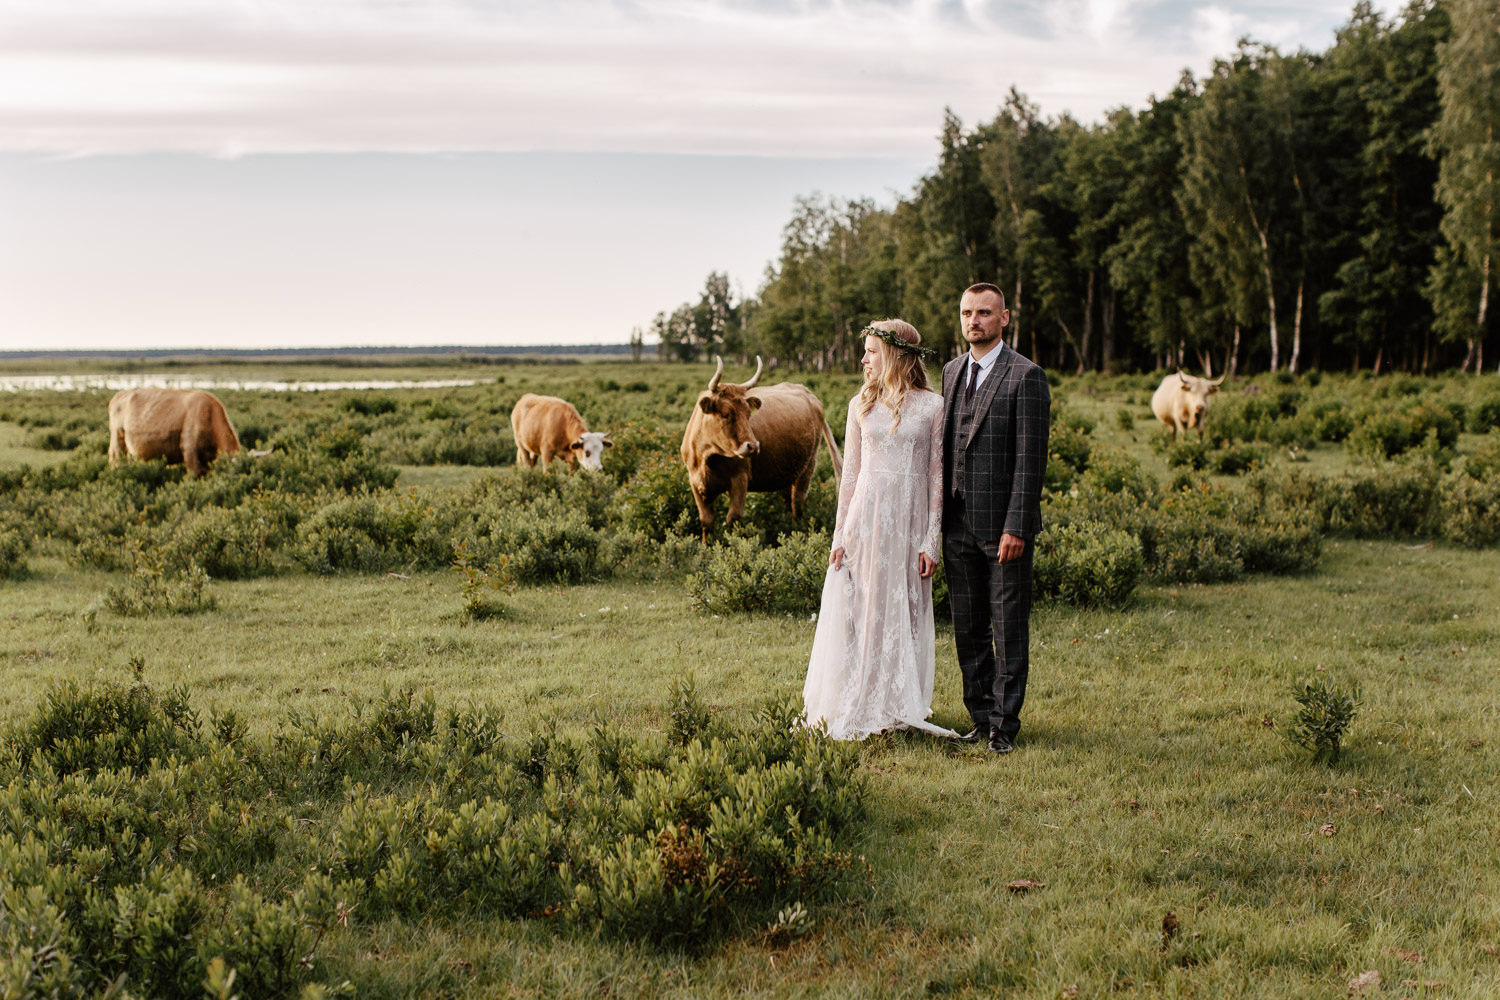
926 565
836 558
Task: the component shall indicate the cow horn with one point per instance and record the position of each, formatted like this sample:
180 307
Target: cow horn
262 453
1217 381
754 378
713 383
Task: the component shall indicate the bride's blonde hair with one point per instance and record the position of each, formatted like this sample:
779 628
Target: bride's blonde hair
901 368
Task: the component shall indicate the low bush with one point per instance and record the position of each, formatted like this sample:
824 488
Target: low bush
14 544
1392 499
1385 433
138 844
548 542
1322 720
1068 448
1485 416
233 543
1468 510
1088 564
744 575
1191 540
657 500
635 443
1235 459
151 589
374 533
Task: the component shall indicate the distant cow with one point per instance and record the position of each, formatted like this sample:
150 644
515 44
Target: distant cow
1182 401
180 425
741 439
546 427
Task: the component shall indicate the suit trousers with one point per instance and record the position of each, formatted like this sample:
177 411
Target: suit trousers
991 604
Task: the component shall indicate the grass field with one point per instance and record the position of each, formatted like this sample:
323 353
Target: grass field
1149 776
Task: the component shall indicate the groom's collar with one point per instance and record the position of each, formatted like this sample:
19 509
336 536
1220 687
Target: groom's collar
988 361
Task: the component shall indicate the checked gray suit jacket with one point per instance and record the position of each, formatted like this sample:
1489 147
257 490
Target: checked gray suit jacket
1007 446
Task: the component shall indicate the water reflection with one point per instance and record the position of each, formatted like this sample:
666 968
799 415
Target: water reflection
85 383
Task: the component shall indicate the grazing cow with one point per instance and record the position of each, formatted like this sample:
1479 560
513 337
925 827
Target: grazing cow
741 439
548 427
1182 401
179 425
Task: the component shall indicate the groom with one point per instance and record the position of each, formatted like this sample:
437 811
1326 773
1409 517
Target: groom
995 419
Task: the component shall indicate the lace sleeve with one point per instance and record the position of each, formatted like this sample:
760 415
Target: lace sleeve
851 471
930 542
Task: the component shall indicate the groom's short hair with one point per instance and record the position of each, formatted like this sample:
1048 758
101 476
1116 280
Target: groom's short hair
985 286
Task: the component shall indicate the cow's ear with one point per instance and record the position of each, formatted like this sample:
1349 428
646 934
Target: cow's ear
577 445
608 443
754 402
706 404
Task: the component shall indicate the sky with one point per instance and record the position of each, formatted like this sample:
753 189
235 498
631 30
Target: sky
308 173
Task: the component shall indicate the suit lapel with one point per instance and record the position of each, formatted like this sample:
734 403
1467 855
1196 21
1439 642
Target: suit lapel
950 396
987 392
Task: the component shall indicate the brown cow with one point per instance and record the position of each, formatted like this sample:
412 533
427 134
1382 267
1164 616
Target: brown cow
742 439
179 425
1182 401
548 427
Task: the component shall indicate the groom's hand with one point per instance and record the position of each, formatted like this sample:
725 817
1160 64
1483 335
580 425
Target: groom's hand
1011 548
926 565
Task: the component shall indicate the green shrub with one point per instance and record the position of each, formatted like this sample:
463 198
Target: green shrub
1280 543
1468 510
548 543
1322 720
369 406
1484 463
374 533
744 575
657 500
1088 564
13 546
1068 448
1125 419
1234 460
105 727
53 439
132 843
1383 434
635 443
1334 421
1485 416
232 543
153 590
1393 499
1187 453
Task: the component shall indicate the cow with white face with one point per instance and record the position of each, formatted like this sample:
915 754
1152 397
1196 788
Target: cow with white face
742 439
1182 401
546 427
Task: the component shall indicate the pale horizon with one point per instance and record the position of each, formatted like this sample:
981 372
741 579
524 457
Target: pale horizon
190 174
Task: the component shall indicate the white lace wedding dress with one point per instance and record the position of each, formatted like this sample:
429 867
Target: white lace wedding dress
872 654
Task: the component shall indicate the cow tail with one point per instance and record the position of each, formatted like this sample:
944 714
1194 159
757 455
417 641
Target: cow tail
833 451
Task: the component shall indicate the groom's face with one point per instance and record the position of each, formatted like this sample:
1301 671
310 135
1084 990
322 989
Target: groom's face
982 318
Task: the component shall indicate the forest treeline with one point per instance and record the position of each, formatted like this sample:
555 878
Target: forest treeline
1287 212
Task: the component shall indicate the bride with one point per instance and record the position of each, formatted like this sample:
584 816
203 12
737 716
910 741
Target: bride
872 655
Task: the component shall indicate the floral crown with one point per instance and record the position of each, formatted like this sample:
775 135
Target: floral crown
890 337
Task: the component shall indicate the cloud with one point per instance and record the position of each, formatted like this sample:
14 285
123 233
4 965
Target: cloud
791 78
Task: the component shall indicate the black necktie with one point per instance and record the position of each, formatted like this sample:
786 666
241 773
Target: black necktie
973 379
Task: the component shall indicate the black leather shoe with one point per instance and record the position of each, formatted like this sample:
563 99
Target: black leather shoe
972 736
1000 743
